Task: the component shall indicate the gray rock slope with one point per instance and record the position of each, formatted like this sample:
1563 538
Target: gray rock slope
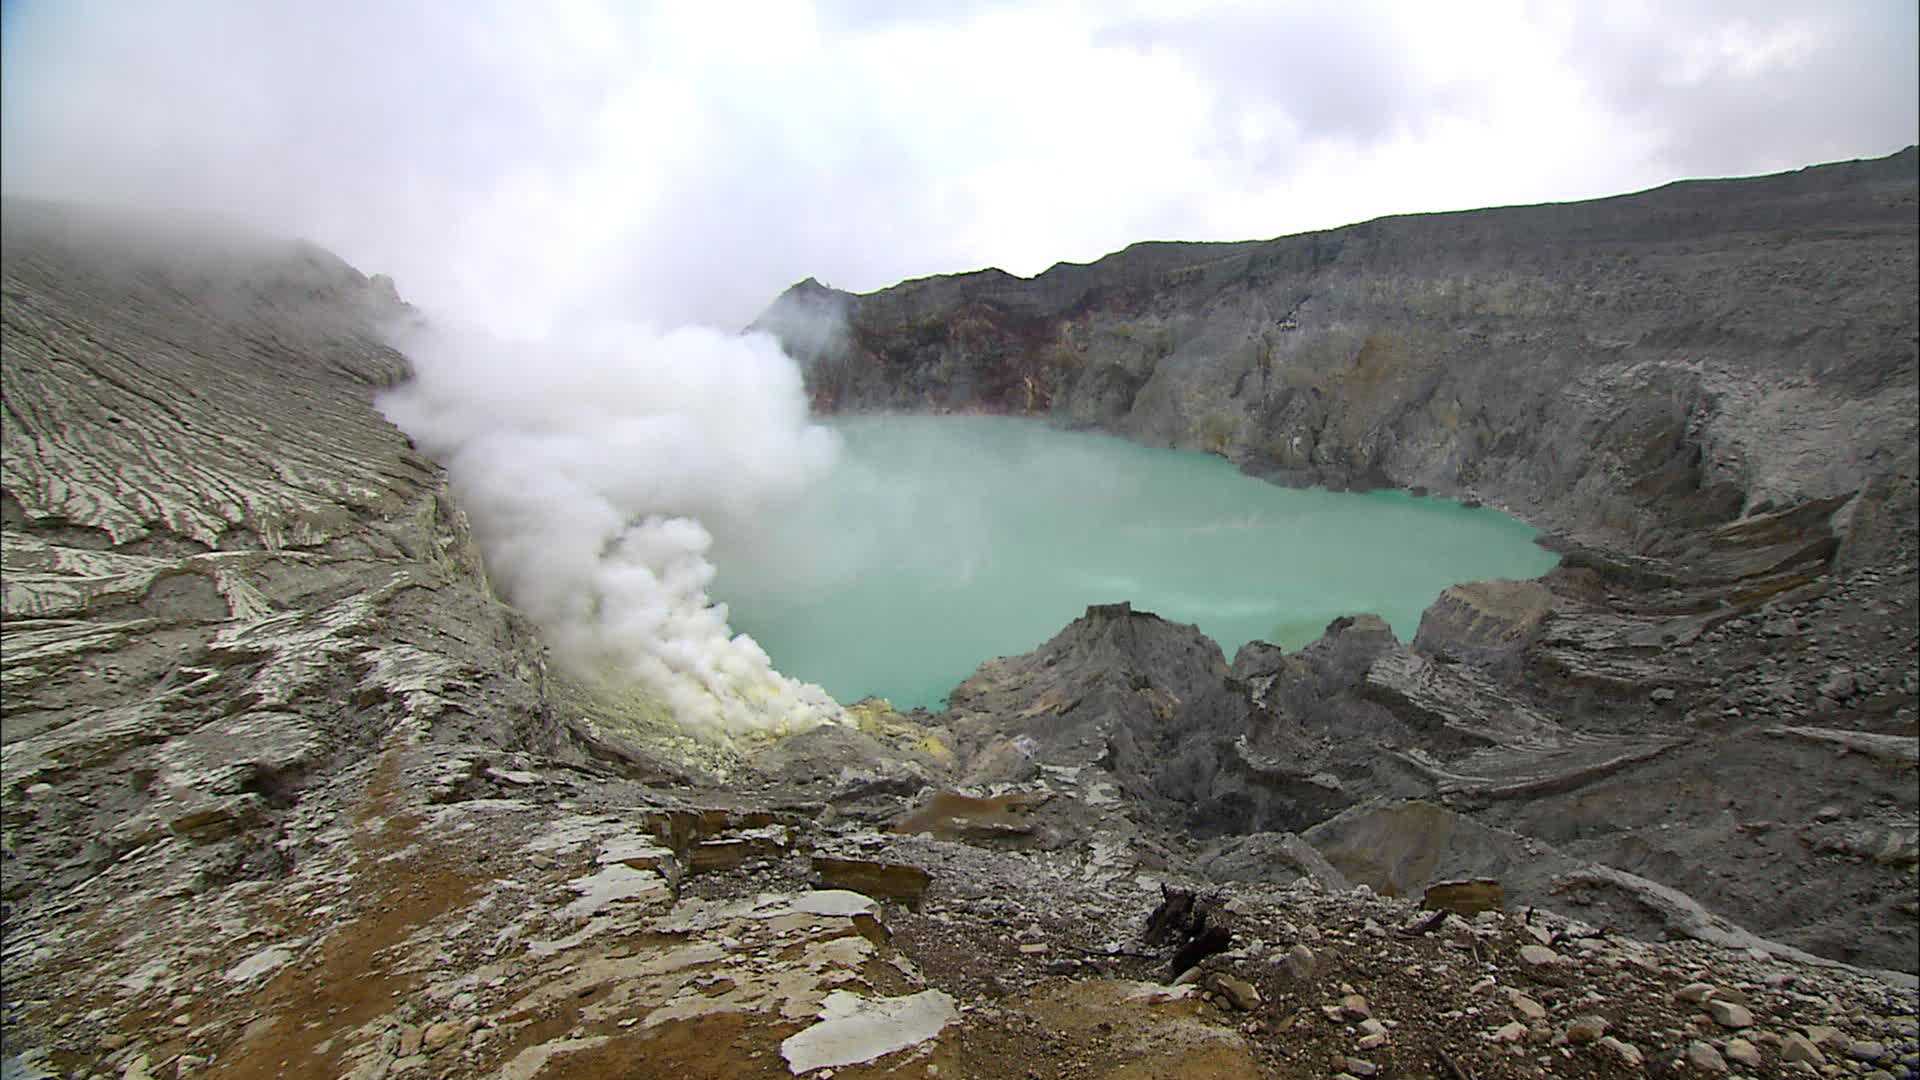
227 576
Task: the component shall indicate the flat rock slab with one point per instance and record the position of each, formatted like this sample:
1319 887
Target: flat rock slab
268 959
884 880
1466 898
616 884
835 902
853 1029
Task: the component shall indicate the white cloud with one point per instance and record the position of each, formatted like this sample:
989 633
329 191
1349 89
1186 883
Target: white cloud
600 464
684 163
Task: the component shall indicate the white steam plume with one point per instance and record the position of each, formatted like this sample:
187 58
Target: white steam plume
598 470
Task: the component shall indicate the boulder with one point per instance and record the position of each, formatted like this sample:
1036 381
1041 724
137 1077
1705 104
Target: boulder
1487 622
883 880
1465 897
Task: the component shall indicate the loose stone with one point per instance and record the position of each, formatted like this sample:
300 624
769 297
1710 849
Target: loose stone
1796 1048
1866 1050
1240 992
1300 962
1704 1057
1625 1051
1528 1008
1742 1052
1694 993
1729 1014
439 1035
1586 1029
1539 955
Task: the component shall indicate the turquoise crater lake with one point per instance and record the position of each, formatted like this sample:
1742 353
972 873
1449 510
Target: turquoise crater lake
939 542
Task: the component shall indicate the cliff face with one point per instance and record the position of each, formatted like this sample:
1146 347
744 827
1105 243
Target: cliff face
1625 369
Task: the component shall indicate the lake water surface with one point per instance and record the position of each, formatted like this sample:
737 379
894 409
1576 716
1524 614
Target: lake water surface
940 542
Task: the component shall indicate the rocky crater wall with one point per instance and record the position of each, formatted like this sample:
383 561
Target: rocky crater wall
1705 392
1626 369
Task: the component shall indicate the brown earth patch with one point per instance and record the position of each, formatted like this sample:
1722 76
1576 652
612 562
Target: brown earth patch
349 986
717 1047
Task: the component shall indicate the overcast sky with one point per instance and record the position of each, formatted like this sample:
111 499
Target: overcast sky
685 162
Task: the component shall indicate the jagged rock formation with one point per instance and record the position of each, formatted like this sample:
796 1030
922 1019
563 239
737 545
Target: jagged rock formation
289 792
1519 770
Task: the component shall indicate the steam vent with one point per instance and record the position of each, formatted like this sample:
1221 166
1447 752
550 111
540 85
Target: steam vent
311 769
